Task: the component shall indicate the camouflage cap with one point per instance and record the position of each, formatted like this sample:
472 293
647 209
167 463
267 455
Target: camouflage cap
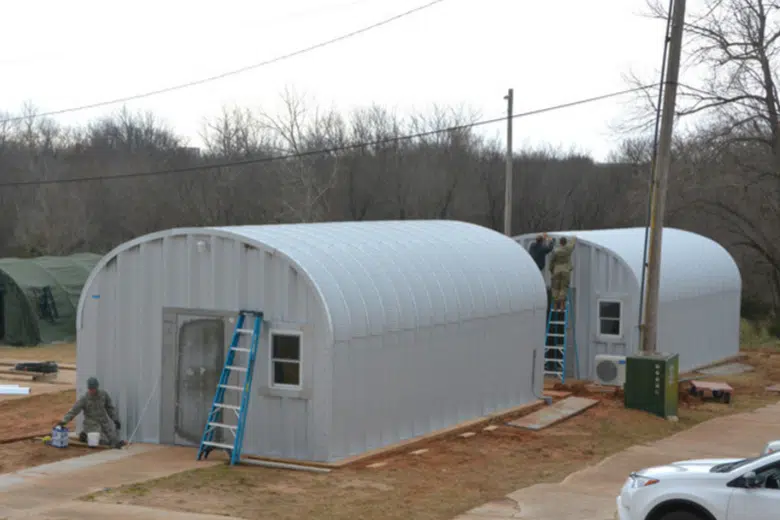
92 383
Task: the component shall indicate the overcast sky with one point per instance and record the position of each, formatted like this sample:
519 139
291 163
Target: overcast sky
63 54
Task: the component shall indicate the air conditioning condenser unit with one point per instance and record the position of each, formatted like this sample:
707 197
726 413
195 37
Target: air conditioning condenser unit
610 370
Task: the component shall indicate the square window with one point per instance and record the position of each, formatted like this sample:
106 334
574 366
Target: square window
285 359
609 309
286 346
609 327
610 314
287 374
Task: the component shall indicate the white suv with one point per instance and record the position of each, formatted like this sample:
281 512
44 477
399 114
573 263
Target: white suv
710 489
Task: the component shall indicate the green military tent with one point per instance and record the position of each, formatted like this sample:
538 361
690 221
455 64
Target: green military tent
39 297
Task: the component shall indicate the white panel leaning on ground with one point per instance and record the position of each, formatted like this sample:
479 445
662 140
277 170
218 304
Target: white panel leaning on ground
375 332
700 296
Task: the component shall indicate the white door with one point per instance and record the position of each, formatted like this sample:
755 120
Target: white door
761 502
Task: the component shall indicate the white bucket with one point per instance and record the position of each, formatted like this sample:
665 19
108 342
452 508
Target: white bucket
93 439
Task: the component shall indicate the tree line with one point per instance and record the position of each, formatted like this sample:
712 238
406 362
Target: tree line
725 181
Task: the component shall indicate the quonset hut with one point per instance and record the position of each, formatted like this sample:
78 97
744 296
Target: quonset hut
396 328
700 294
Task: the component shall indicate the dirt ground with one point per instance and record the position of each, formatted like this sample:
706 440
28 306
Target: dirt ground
34 415
24 454
61 353
31 416
454 475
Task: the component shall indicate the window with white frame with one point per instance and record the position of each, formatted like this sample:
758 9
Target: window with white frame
610 314
285 359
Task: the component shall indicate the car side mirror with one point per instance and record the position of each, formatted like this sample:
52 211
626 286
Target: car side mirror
751 479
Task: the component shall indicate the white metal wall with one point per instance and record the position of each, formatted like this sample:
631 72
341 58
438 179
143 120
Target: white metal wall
702 329
120 334
598 274
445 321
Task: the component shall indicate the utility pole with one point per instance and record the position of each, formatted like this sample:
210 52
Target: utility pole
661 175
508 180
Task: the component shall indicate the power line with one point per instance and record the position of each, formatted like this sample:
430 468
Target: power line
323 151
229 73
274 22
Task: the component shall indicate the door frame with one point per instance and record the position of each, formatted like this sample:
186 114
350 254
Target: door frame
169 361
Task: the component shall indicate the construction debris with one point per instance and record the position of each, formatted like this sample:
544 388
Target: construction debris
553 414
558 394
42 367
14 390
729 369
711 390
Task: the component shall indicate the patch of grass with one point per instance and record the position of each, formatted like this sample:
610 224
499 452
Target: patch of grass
757 335
137 490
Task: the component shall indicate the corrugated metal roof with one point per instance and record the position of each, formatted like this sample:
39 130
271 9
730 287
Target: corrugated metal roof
691 264
382 276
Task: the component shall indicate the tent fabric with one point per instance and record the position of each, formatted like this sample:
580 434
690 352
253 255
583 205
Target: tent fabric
40 297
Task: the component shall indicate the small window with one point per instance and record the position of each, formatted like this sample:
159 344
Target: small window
285 359
610 313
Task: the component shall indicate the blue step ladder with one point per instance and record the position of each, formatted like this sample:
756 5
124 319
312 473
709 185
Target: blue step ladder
215 423
556 341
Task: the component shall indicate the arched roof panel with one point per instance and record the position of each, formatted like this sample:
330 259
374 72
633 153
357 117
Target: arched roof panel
384 276
413 273
691 264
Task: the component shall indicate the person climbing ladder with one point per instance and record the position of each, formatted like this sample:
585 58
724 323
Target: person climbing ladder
560 271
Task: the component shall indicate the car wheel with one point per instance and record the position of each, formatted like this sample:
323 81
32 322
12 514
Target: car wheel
681 515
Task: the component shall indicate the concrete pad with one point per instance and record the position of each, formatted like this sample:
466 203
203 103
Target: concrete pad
52 484
547 502
553 414
727 370
66 466
590 494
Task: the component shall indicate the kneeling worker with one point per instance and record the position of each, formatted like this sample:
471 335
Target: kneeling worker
99 415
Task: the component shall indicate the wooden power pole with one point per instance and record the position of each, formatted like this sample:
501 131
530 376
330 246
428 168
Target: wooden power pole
508 180
661 176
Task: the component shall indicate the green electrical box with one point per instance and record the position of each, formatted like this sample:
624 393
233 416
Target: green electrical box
652 383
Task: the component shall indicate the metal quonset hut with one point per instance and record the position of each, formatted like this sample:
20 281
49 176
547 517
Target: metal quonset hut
39 296
700 293
398 328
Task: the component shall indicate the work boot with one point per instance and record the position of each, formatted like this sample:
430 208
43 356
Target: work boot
83 437
119 445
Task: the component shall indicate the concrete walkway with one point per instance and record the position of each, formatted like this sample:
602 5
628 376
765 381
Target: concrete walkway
50 491
590 494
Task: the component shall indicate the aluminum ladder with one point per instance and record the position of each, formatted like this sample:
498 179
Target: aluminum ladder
215 422
555 341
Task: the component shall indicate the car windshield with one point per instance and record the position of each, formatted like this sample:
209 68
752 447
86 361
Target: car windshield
731 466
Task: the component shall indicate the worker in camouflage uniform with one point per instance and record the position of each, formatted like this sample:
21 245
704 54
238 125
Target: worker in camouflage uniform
560 271
99 415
